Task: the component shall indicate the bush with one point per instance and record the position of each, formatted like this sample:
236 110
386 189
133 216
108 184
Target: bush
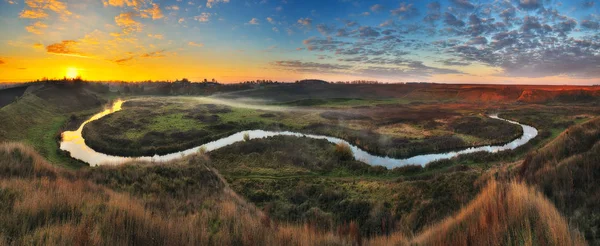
343 152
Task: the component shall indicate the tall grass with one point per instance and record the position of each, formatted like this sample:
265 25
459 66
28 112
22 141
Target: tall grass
567 170
40 204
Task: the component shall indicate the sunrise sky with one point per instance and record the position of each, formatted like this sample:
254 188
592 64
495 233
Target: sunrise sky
455 41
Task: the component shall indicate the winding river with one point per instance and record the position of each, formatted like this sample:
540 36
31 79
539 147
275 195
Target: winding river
73 142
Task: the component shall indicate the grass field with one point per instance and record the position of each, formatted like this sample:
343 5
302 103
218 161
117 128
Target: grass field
148 126
297 191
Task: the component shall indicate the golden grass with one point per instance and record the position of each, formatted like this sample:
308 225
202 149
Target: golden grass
502 214
40 204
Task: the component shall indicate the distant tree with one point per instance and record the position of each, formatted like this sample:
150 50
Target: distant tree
205 80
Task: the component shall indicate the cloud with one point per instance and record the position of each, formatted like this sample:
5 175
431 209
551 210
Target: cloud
329 44
66 47
36 28
211 3
127 23
309 67
172 7
433 12
123 60
121 3
270 20
155 12
36 9
367 31
530 4
2 62
463 4
451 20
253 21
590 24
33 14
478 41
376 8
156 36
306 22
325 29
195 44
203 17
405 11
454 62
155 54
38 46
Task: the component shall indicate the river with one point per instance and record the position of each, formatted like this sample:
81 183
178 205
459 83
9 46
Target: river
73 142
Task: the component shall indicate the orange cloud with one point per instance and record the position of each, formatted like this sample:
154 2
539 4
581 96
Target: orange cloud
1 62
38 7
38 45
36 28
66 47
155 12
33 14
121 3
155 54
123 60
156 36
127 23
196 44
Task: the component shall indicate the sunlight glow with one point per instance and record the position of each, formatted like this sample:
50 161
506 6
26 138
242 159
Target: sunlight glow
72 73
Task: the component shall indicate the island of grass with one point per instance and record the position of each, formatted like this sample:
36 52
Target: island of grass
148 126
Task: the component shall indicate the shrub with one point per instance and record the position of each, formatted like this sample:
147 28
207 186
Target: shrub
343 152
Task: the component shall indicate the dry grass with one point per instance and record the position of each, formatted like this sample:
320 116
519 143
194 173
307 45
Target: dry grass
502 214
40 204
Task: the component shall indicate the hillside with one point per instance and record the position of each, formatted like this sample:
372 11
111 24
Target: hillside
186 203
567 170
465 93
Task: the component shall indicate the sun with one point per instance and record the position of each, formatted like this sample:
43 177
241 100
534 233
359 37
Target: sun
72 72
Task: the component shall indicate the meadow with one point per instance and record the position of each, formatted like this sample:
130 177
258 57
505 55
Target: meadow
298 191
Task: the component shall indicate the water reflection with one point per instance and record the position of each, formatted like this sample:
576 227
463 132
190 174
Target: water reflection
73 142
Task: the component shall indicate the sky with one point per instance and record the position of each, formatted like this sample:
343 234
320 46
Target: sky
446 41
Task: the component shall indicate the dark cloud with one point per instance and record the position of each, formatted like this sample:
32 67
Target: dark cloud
530 4
463 4
405 11
329 44
590 24
478 41
350 23
531 23
451 20
342 32
508 14
588 4
325 29
414 69
367 32
433 12
565 27
309 67
454 62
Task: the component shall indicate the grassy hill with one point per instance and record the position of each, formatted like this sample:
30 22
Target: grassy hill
187 203
567 170
39 115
